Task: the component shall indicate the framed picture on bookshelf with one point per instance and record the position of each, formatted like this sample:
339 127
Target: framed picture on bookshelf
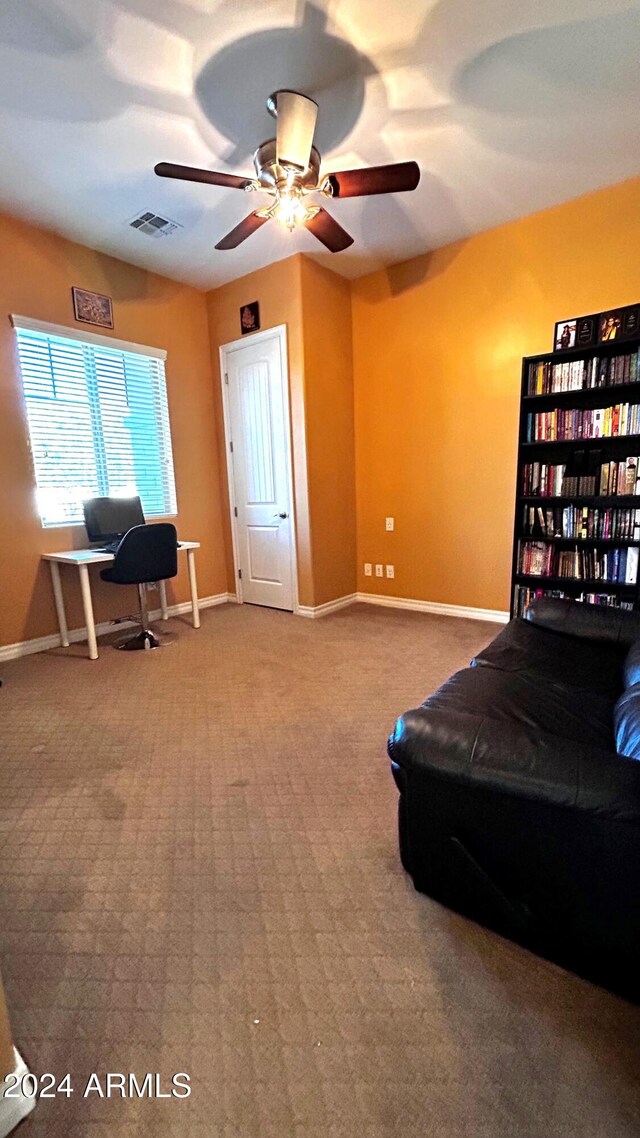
610 326
578 332
564 337
587 330
619 324
630 322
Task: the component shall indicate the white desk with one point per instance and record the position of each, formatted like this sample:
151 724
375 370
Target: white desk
82 559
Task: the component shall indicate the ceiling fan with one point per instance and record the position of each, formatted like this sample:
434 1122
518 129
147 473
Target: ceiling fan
288 169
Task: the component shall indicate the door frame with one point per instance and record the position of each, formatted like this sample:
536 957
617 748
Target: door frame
279 332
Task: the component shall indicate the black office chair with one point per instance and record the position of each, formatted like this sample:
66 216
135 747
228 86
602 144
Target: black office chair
146 553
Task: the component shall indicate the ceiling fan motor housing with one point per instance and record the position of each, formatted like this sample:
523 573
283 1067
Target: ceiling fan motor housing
271 174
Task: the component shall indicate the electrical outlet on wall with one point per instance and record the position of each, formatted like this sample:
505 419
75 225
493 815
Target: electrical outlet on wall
379 570
367 568
391 571
389 523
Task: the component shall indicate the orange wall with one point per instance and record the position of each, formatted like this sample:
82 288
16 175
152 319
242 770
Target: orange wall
438 343
37 270
328 371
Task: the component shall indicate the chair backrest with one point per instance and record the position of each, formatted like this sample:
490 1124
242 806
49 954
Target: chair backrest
146 553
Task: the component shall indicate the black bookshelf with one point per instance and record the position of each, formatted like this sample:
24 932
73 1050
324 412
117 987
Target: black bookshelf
560 526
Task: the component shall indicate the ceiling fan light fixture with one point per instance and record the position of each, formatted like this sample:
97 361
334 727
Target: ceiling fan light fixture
290 210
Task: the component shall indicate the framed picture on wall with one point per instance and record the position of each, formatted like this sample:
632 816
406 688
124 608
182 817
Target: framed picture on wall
250 317
92 308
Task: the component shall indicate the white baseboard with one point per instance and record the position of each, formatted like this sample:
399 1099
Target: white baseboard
327 607
435 607
45 643
13 1110
498 616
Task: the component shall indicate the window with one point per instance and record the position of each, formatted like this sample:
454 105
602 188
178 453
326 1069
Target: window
98 420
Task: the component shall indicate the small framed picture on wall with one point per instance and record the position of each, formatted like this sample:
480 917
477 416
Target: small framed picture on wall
250 317
92 308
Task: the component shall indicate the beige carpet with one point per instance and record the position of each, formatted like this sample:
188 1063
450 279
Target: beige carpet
200 874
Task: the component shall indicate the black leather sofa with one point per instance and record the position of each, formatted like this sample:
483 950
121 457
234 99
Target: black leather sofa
519 789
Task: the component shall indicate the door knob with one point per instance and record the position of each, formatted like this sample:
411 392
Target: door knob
281 515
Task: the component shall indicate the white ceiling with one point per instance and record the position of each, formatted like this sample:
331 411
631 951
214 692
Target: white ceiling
507 105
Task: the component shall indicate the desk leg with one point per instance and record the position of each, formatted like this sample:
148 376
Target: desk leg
162 585
191 559
59 599
85 589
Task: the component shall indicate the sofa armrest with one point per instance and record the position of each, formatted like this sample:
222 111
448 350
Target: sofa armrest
589 622
505 758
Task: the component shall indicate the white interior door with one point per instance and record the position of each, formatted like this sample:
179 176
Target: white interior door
260 468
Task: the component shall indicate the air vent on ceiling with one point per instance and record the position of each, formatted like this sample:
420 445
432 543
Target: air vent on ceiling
153 225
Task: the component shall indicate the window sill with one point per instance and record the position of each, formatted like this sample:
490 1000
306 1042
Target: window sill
80 525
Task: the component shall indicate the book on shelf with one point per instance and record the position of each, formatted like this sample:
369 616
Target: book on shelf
562 424
583 475
587 523
614 566
631 576
547 377
524 594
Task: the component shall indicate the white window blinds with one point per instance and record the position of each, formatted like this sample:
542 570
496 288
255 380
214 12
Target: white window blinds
98 422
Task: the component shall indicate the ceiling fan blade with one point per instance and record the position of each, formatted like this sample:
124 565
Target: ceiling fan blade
392 179
326 229
247 226
194 174
296 122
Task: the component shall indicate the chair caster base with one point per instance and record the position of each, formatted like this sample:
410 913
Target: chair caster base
144 641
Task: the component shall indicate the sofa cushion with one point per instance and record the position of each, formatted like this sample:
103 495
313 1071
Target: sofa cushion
529 700
565 661
626 719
